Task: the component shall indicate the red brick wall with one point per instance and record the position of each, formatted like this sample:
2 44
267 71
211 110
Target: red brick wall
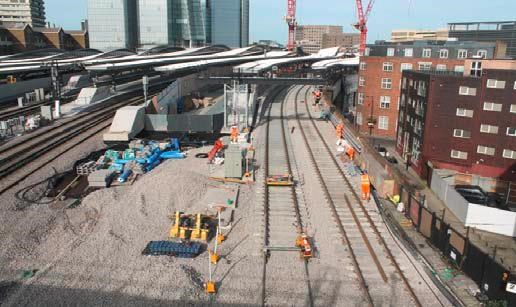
373 75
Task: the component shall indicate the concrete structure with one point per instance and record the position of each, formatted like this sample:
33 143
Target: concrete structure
380 76
230 22
127 123
310 37
112 24
419 35
461 122
173 22
503 31
348 40
22 12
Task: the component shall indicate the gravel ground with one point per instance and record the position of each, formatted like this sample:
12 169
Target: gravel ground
91 255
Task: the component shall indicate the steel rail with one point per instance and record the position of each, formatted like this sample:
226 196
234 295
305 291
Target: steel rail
333 209
366 214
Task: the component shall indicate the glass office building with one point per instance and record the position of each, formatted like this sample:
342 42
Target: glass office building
182 23
230 22
144 24
112 24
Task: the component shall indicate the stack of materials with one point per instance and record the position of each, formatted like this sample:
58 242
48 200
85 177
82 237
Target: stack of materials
101 178
169 248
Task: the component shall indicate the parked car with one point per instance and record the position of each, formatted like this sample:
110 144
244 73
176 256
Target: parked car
476 195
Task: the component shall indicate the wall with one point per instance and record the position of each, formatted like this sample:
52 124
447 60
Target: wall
453 200
492 220
184 123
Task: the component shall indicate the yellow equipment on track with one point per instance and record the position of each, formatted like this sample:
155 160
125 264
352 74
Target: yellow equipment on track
280 180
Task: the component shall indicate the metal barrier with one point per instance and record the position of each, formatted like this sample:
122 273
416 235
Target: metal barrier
482 268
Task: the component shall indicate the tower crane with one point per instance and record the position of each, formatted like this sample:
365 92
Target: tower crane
292 24
361 25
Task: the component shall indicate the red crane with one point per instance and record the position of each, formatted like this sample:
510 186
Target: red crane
361 25
292 24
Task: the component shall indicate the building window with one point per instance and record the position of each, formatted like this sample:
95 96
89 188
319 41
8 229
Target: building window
513 108
441 67
363 66
383 122
488 129
459 68
490 106
409 52
476 69
509 154
367 51
456 154
493 83
386 83
443 53
511 131
406 66
390 51
459 133
424 65
361 81
468 91
427 53
463 53
482 53
359 118
385 102
490 151
360 98
387 66
464 112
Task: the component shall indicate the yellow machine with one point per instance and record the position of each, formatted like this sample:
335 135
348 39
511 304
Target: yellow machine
191 226
210 287
280 180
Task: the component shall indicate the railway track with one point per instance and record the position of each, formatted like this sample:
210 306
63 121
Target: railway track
16 161
12 112
284 219
377 271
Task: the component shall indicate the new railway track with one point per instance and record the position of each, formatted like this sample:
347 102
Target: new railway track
284 220
365 243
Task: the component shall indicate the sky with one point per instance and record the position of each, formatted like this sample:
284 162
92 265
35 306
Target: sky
266 20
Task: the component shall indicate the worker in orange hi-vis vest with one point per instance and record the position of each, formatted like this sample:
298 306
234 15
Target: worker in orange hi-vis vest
351 153
234 134
339 130
366 187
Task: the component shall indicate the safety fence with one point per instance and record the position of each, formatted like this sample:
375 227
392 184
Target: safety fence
481 267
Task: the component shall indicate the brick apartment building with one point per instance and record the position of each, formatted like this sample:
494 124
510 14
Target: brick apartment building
19 38
380 76
460 121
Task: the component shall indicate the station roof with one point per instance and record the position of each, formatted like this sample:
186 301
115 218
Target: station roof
188 55
336 62
231 60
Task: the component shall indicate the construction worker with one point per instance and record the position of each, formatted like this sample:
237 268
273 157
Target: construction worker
317 96
366 186
234 134
339 131
351 153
